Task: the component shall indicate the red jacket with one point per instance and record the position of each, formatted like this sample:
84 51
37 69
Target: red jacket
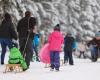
55 40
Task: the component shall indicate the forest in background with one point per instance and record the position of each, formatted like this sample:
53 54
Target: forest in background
76 16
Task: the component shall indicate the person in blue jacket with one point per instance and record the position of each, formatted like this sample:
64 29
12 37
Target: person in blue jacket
35 45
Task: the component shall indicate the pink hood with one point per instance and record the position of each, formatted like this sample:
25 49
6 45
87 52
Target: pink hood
55 40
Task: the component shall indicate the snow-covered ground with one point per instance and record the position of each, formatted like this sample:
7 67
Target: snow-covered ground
83 69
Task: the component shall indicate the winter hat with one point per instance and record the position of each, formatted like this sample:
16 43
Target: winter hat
97 34
57 27
69 33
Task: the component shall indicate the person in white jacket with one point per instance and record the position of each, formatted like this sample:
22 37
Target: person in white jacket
82 49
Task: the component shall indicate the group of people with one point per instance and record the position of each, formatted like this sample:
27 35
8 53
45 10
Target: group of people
55 41
26 34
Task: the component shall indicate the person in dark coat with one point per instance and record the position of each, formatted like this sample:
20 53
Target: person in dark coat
25 30
68 48
7 33
94 44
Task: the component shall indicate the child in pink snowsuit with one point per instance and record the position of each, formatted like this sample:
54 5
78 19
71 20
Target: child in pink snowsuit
55 41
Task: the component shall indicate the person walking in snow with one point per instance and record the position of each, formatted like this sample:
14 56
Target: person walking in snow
7 33
55 41
69 42
25 29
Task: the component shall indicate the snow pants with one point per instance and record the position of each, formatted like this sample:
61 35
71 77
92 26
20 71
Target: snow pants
55 59
68 56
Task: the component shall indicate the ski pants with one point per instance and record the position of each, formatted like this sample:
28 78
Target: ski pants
55 59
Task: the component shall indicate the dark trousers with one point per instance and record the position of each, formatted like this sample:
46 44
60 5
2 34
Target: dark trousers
82 53
4 44
68 56
35 48
28 50
94 53
55 59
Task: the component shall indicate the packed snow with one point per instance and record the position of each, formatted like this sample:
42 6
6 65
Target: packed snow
83 69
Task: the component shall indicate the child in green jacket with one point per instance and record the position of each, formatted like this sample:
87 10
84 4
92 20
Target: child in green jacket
15 57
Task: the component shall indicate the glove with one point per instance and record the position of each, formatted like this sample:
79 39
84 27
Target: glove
15 43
